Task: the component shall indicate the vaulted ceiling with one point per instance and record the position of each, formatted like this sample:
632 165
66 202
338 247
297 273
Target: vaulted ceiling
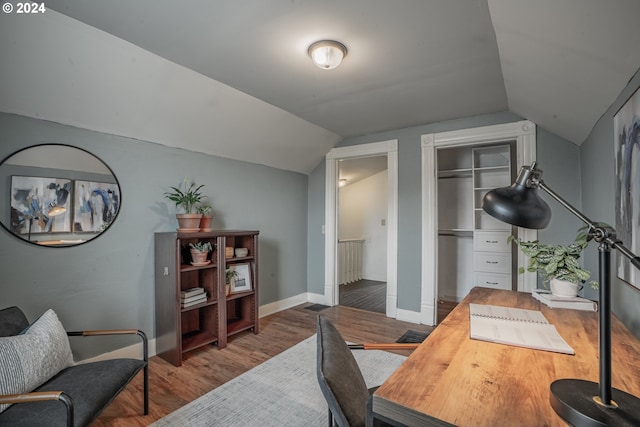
244 65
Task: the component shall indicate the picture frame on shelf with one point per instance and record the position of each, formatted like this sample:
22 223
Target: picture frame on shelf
242 281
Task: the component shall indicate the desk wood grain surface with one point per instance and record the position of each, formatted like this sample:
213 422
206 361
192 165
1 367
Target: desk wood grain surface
466 382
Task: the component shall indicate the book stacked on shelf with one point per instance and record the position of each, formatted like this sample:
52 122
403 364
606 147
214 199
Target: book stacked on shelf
573 303
192 296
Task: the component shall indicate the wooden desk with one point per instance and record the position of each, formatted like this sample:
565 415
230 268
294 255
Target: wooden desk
466 382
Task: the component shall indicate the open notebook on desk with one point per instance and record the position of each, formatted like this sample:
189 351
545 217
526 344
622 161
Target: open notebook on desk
515 326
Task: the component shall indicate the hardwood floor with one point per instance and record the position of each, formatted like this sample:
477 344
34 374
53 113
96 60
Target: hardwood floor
204 369
367 295
444 308
371 295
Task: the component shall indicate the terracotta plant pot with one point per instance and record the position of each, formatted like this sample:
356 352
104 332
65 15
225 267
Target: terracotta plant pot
188 223
205 222
198 257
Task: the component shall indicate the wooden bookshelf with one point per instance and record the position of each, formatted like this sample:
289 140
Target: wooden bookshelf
178 329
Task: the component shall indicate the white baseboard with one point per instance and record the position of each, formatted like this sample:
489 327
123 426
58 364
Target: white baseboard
316 298
275 307
408 316
135 350
428 315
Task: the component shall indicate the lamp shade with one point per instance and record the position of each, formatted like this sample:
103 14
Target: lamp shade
518 205
56 210
327 54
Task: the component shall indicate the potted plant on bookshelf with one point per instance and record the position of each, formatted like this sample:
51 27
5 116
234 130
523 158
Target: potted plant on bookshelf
557 264
230 274
199 252
207 218
188 221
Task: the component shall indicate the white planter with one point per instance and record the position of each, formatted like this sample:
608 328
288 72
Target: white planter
564 288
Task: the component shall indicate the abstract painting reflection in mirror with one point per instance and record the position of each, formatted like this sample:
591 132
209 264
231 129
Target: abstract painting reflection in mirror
40 205
96 205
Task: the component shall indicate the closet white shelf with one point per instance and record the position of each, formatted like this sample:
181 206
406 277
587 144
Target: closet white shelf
491 168
455 231
455 173
493 229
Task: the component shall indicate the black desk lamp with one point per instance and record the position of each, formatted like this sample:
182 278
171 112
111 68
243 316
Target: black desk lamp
579 402
54 210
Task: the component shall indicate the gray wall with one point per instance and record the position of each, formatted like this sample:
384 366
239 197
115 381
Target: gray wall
554 155
560 162
598 175
108 283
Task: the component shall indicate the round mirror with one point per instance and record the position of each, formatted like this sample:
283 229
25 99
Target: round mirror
57 195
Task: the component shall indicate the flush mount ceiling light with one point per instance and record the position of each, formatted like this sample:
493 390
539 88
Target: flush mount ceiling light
327 54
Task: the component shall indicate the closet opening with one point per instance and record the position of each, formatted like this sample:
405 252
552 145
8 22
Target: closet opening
472 246
462 247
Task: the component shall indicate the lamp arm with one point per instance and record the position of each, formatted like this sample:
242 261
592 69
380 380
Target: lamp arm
635 260
600 232
592 225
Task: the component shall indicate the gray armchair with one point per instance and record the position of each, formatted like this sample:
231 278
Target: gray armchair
77 394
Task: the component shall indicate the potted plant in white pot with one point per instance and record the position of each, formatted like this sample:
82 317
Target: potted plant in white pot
188 221
207 218
557 264
199 252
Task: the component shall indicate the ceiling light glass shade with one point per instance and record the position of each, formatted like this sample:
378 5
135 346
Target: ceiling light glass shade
517 205
327 54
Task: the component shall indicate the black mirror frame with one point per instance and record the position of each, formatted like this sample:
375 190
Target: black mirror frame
71 244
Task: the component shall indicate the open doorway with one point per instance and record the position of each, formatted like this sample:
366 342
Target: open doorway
362 237
388 150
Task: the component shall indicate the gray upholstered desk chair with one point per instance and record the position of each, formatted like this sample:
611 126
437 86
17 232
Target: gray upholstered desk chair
340 379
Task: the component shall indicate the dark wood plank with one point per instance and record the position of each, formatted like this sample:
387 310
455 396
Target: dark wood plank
368 295
206 368
444 308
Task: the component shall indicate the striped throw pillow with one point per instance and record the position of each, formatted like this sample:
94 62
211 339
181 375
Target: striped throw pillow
32 358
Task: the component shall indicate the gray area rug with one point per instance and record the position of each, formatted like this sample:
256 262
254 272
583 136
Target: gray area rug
283 391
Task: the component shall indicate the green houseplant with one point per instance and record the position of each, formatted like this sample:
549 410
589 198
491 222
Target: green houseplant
556 262
230 274
204 209
186 199
207 218
201 246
